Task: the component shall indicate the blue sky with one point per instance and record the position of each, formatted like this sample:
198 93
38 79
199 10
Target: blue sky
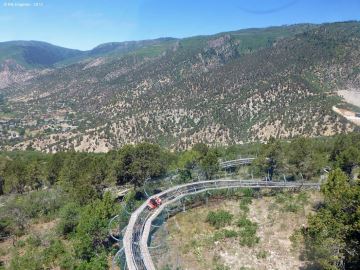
83 24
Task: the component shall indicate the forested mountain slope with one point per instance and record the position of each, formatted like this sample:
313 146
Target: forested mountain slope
228 88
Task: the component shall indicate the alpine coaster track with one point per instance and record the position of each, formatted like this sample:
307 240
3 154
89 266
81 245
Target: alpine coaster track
136 237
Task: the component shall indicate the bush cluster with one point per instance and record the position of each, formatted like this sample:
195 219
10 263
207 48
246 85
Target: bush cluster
219 218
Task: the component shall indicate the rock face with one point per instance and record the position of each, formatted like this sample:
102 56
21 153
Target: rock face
228 88
11 73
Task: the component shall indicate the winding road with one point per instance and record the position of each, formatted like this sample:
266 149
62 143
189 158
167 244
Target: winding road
137 232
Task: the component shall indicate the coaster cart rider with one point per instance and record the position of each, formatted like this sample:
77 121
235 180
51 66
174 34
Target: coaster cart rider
154 203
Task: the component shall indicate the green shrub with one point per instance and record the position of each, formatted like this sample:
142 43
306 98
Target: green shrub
20 243
167 267
33 240
18 210
5 226
96 263
221 267
41 203
248 239
38 256
67 262
219 235
247 232
230 233
303 198
292 202
262 254
30 260
56 254
248 192
92 235
219 218
69 218
291 207
185 175
244 204
3 252
218 265
296 239
281 197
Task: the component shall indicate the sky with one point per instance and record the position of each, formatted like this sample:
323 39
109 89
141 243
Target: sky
84 24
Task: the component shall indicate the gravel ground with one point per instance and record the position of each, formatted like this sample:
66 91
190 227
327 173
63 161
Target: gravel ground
351 96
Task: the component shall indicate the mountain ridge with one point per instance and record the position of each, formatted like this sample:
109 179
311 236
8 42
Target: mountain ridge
219 89
111 47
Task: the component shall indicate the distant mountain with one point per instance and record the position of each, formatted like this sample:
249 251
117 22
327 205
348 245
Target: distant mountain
35 54
22 60
128 46
231 87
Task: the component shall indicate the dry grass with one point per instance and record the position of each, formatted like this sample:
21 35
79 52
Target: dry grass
40 229
191 245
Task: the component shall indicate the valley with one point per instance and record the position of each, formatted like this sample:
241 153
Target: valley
180 135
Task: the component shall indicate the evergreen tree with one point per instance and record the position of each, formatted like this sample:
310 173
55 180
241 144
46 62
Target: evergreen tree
333 234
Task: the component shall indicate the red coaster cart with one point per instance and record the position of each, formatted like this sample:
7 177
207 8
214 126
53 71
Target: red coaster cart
153 203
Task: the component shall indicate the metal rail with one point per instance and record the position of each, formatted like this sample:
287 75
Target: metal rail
138 230
236 162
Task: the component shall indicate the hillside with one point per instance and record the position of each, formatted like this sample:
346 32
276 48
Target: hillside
227 88
23 60
37 54
56 208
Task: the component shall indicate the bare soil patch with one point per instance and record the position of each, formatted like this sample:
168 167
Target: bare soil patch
351 96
